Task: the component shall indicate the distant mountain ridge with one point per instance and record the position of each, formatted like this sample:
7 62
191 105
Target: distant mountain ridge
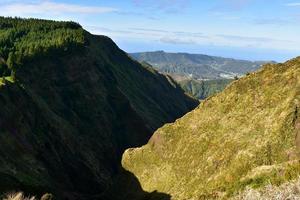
197 66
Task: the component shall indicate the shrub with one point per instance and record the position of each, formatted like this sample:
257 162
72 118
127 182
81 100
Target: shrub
18 196
290 191
47 197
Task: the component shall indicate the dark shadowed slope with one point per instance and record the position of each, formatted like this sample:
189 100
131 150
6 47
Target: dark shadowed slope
71 103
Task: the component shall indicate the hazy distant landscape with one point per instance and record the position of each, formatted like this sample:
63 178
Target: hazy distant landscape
149 100
197 66
199 75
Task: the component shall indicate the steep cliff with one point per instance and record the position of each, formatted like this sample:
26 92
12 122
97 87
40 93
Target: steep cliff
248 135
71 103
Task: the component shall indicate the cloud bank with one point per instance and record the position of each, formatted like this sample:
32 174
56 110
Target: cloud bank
295 4
50 8
162 5
198 38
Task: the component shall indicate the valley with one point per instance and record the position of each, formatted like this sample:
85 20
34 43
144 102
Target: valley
71 103
199 75
245 136
81 119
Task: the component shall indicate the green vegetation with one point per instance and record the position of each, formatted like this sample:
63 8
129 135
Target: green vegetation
290 190
21 196
198 65
199 75
68 112
22 40
203 89
245 136
4 80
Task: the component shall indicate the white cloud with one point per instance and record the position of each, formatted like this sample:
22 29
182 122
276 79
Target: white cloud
170 6
232 5
177 40
293 4
50 8
196 38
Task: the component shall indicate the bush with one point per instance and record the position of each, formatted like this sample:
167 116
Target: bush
18 196
21 196
47 197
289 191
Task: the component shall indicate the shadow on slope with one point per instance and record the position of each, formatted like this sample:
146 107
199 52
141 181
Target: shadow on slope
127 186
61 167
66 118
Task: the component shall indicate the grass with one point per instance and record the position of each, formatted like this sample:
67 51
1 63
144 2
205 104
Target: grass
17 196
7 78
21 196
204 89
64 113
290 191
242 137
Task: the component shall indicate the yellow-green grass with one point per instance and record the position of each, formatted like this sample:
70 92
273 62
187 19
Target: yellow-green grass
7 78
244 136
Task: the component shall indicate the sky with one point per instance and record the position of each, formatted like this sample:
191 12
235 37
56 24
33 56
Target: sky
242 29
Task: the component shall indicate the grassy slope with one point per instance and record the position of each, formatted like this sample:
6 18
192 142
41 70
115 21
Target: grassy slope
203 89
66 118
244 136
142 90
289 190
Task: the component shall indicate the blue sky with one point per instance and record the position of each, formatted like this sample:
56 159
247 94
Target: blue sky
246 29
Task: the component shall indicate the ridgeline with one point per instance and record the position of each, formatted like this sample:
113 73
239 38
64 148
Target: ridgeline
71 103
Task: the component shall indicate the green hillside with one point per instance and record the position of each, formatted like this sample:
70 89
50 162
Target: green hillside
203 89
198 65
199 75
247 135
22 40
71 103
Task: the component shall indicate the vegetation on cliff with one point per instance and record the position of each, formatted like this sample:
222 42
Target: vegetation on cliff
248 135
21 40
199 75
73 104
198 65
203 89
289 190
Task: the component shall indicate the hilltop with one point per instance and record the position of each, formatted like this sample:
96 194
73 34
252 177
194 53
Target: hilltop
245 136
71 103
